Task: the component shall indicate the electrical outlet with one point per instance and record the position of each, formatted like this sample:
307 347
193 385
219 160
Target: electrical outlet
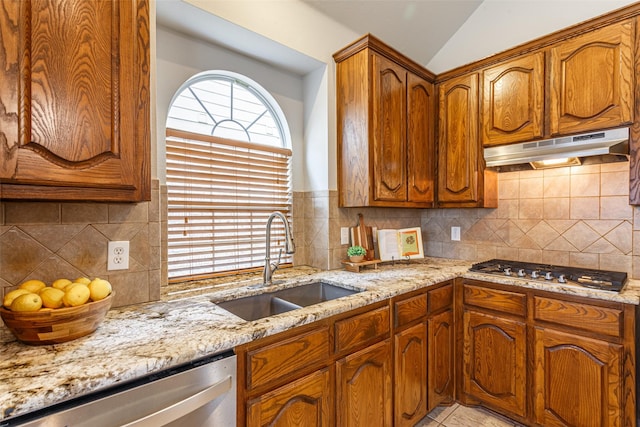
455 233
344 235
118 255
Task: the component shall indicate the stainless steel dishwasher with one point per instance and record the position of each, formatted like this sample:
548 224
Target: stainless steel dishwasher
197 394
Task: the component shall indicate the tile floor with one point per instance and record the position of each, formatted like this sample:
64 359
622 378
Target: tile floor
462 416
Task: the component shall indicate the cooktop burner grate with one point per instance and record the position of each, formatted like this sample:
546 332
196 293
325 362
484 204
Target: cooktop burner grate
597 279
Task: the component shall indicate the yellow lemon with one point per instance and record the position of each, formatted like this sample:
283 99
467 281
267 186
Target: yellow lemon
9 297
27 302
32 285
84 280
99 288
61 283
51 297
76 294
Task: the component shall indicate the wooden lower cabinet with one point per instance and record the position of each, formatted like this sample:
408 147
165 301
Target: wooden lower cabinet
440 365
305 402
364 394
410 383
577 380
494 361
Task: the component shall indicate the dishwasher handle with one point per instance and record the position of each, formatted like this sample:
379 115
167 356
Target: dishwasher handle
183 407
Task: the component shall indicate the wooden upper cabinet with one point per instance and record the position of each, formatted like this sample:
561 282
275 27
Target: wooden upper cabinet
389 122
458 140
513 101
592 80
386 134
76 90
421 145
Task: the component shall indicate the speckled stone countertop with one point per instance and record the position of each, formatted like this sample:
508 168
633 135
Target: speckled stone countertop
185 325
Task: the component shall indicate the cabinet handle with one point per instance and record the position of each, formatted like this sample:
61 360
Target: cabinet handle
186 406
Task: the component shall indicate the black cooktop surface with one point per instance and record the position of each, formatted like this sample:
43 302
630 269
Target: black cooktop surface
597 279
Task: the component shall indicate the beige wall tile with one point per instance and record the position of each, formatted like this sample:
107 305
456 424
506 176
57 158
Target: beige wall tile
616 262
556 208
555 257
530 209
84 213
32 213
585 185
531 188
509 189
614 184
585 208
584 260
557 186
615 207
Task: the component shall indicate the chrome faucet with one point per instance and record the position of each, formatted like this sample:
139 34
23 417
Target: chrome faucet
289 247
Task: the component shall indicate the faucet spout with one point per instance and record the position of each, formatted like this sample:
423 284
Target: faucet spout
289 247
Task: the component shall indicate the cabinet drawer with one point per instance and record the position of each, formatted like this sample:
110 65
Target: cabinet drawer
494 299
281 359
440 298
410 309
363 329
602 320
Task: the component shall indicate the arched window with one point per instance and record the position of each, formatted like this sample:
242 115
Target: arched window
228 168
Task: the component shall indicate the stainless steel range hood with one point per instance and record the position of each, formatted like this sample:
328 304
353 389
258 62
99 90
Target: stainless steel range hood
606 146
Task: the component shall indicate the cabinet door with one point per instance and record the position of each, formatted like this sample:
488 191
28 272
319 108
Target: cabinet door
576 372
458 148
592 80
410 375
513 101
76 92
364 392
421 149
494 361
440 361
305 402
389 130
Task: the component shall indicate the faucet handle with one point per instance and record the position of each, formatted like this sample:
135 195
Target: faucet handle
276 264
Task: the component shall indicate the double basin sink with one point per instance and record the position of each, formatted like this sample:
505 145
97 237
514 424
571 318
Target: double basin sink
271 303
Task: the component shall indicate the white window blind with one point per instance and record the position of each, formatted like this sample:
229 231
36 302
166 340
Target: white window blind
220 195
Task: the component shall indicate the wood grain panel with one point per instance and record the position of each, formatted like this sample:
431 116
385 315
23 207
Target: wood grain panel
362 329
458 145
592 80
389 130
279 360
305 402
352 91
586 317
410 309
410 383
494 299
364 389
421 150
80 75
495 361
441 334
574 372
513 101
440 298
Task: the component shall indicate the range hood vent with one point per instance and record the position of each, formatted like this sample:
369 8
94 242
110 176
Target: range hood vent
605 146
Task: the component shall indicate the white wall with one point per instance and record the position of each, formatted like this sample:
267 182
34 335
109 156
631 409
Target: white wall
178 58
498 25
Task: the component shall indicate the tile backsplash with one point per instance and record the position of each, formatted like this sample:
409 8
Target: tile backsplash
49 240
578 216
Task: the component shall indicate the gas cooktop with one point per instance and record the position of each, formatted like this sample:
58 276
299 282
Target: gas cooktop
598 279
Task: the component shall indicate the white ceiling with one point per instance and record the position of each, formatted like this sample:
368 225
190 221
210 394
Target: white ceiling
439 34
417 28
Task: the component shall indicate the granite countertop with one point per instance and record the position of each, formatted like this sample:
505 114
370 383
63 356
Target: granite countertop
185 325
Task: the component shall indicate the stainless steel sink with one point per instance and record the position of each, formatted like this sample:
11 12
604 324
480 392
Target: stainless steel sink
258 306
268 304
314 293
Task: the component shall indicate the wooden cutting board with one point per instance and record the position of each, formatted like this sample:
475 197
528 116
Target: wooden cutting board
361 234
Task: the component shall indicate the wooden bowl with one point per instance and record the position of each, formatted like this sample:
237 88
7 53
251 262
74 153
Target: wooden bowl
57 325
